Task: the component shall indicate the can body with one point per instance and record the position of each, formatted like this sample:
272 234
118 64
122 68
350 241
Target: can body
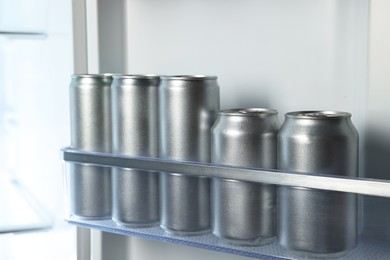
90 186
188 108
315 222
135 133
244 212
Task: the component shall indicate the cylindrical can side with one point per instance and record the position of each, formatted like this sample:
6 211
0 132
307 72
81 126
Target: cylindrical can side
90 112
244 212
312 222
90 191
185 204
135 197
135 133
90 107
316 223
188 108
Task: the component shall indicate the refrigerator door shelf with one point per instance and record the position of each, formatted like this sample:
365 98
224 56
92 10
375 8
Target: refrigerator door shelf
368 247
365 249
23 34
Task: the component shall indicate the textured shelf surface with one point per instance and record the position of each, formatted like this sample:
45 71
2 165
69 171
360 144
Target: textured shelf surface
366 249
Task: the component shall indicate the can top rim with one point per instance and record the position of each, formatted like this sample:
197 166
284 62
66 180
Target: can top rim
188 77
248 112
318 114
104 75
135 76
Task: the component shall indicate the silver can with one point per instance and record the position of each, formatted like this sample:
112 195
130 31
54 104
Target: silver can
188 108
244 212
90 111
317 223
135 133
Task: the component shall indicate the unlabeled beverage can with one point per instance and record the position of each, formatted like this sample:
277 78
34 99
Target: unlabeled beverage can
90 111
244 212
135 133
317 223
188 108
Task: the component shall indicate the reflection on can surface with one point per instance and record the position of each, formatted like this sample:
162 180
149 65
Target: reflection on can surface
188 108
90 111
135 133
317 223
244 212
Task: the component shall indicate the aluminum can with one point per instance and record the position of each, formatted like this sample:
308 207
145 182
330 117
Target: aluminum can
135 133
90 111
188 108
317 223
244 212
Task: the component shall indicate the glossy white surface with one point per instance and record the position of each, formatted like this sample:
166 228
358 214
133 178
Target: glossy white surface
15 13
287 55
34 124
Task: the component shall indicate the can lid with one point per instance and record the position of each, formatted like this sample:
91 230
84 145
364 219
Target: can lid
188 77
254 112
102 76
319 114
135 76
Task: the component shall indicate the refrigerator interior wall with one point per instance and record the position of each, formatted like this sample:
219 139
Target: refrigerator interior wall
34 109
35 61
287 55
377 138
35 12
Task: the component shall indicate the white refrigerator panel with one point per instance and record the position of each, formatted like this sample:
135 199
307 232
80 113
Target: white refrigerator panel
289 55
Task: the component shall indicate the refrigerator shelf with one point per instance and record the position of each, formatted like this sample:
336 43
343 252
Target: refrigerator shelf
365 249
368 247
365 186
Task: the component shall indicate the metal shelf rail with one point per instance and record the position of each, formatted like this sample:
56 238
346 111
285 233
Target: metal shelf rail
365 186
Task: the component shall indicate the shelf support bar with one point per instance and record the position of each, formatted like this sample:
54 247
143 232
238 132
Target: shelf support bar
363 186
